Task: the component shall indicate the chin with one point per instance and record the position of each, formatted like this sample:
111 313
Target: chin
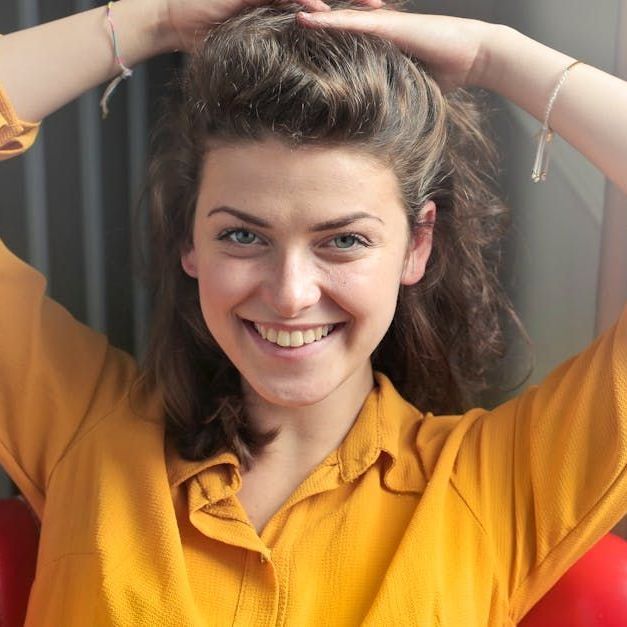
291 393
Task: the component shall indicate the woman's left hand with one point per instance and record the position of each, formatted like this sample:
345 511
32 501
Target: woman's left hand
452 47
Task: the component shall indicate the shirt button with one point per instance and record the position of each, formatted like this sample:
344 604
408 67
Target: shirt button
263 559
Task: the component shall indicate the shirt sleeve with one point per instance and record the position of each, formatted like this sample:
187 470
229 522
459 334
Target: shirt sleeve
545 474
16 136
57 378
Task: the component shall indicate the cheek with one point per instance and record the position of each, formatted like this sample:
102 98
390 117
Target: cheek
368 290
222 285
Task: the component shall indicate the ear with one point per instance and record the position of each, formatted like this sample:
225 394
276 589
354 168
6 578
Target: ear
188 261
419 248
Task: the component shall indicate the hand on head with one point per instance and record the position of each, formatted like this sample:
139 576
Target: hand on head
450 46
190 19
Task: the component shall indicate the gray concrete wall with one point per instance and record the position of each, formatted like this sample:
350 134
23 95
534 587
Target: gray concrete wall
555 249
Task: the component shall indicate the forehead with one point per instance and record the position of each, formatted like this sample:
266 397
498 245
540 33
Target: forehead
271 176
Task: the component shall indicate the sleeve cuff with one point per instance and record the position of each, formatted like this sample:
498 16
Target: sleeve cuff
16 136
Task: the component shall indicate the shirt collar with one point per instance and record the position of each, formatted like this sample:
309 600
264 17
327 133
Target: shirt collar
386 423
180 470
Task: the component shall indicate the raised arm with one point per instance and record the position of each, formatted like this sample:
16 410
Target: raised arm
44 67
590 111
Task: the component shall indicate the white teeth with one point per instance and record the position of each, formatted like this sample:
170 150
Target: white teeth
293 338
309 336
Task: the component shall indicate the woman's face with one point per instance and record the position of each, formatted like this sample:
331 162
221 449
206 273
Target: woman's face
288 242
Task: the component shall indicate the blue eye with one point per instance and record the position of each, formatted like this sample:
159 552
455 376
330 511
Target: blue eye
244 237
347 241
238 236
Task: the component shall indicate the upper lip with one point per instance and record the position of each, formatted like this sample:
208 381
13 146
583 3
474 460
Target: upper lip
293 327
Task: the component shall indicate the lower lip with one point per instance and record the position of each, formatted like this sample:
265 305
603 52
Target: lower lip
299 352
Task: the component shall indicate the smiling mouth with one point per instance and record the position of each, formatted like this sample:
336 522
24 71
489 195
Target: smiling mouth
292 339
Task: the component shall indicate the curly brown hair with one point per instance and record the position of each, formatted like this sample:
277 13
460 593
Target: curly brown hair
261 74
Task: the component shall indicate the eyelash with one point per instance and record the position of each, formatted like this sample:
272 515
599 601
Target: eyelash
224 236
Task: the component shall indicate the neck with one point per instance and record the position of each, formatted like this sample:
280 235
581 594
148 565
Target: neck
309 433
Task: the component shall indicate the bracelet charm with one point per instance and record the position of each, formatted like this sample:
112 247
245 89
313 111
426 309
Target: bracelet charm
541 163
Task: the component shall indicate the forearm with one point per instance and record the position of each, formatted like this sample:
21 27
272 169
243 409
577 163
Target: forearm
44 67
590 111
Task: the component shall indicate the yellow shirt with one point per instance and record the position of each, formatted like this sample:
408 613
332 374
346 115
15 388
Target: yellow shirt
458 521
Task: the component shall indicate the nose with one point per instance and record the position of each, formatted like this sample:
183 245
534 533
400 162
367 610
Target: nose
292 285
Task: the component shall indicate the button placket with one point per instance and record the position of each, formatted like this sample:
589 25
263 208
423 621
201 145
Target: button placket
259 594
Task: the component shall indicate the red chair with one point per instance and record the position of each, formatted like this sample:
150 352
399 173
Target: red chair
19 537
592 593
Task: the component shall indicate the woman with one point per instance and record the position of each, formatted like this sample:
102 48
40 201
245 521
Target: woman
318 224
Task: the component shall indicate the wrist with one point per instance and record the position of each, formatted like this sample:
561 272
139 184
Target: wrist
497 40
520 69
142 28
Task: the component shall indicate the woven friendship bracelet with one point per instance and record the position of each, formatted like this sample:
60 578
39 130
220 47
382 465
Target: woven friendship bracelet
126 72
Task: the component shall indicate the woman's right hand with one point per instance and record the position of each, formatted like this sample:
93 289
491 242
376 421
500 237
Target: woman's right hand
189 20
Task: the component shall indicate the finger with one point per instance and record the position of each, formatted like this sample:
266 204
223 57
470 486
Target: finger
320 5
314 5
375 4
398 28
347 19
310 5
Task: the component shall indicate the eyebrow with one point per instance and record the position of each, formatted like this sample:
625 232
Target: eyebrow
321 226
